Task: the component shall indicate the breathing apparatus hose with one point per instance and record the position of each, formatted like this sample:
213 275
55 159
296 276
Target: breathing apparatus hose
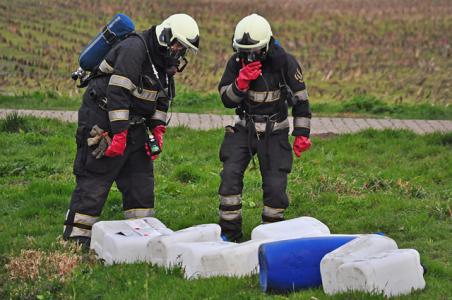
169 81
267 91
154 69
251 124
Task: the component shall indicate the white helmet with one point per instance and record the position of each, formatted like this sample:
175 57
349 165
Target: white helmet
181 27
252 33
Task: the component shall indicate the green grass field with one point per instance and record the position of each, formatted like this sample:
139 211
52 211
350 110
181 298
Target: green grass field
396 51
384 58
195 102
390 181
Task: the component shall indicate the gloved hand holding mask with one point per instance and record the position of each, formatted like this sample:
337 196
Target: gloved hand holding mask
247 74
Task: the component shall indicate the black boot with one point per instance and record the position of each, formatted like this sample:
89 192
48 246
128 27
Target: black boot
235 237
81 240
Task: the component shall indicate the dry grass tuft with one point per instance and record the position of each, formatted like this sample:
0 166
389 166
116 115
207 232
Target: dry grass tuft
37 264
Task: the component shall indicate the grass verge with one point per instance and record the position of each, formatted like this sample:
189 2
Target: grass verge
390 181
196 102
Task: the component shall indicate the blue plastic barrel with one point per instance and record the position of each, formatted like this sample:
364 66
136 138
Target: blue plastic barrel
97 49
290 265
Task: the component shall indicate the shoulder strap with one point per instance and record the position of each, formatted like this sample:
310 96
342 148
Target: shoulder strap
156 74
169 81
283 77
284 83
285 89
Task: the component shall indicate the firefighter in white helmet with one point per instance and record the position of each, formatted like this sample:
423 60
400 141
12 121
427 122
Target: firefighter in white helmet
261 82
127 98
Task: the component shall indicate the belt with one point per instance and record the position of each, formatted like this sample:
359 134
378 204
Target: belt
261 125
135 120
262 118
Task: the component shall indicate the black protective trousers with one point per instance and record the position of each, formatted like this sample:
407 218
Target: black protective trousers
275 162
132 172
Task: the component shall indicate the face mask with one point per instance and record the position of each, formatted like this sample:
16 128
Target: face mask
175 59
250 56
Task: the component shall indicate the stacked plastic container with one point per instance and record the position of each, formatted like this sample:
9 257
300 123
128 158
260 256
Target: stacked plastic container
373 264
125 241
290 255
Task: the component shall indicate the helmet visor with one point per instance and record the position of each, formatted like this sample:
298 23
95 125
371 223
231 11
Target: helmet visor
190 44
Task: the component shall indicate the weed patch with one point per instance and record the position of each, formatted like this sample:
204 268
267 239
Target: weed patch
338 185
187 174
379 184
37 264
440 210
42 274
445 140
366 104
13 123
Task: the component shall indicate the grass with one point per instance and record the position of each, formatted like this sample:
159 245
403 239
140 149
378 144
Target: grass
397 51
197 102
370 106
390 181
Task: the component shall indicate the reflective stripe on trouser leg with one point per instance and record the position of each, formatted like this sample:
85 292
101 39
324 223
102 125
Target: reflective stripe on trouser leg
230 207
275 196
270 214
230 200
230 212
136 213
232 215
78 224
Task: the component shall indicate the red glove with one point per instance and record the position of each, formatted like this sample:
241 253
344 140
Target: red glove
247 74
118 145
301 144
158 133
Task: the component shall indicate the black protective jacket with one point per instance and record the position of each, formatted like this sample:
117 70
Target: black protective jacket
264 96
132 88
